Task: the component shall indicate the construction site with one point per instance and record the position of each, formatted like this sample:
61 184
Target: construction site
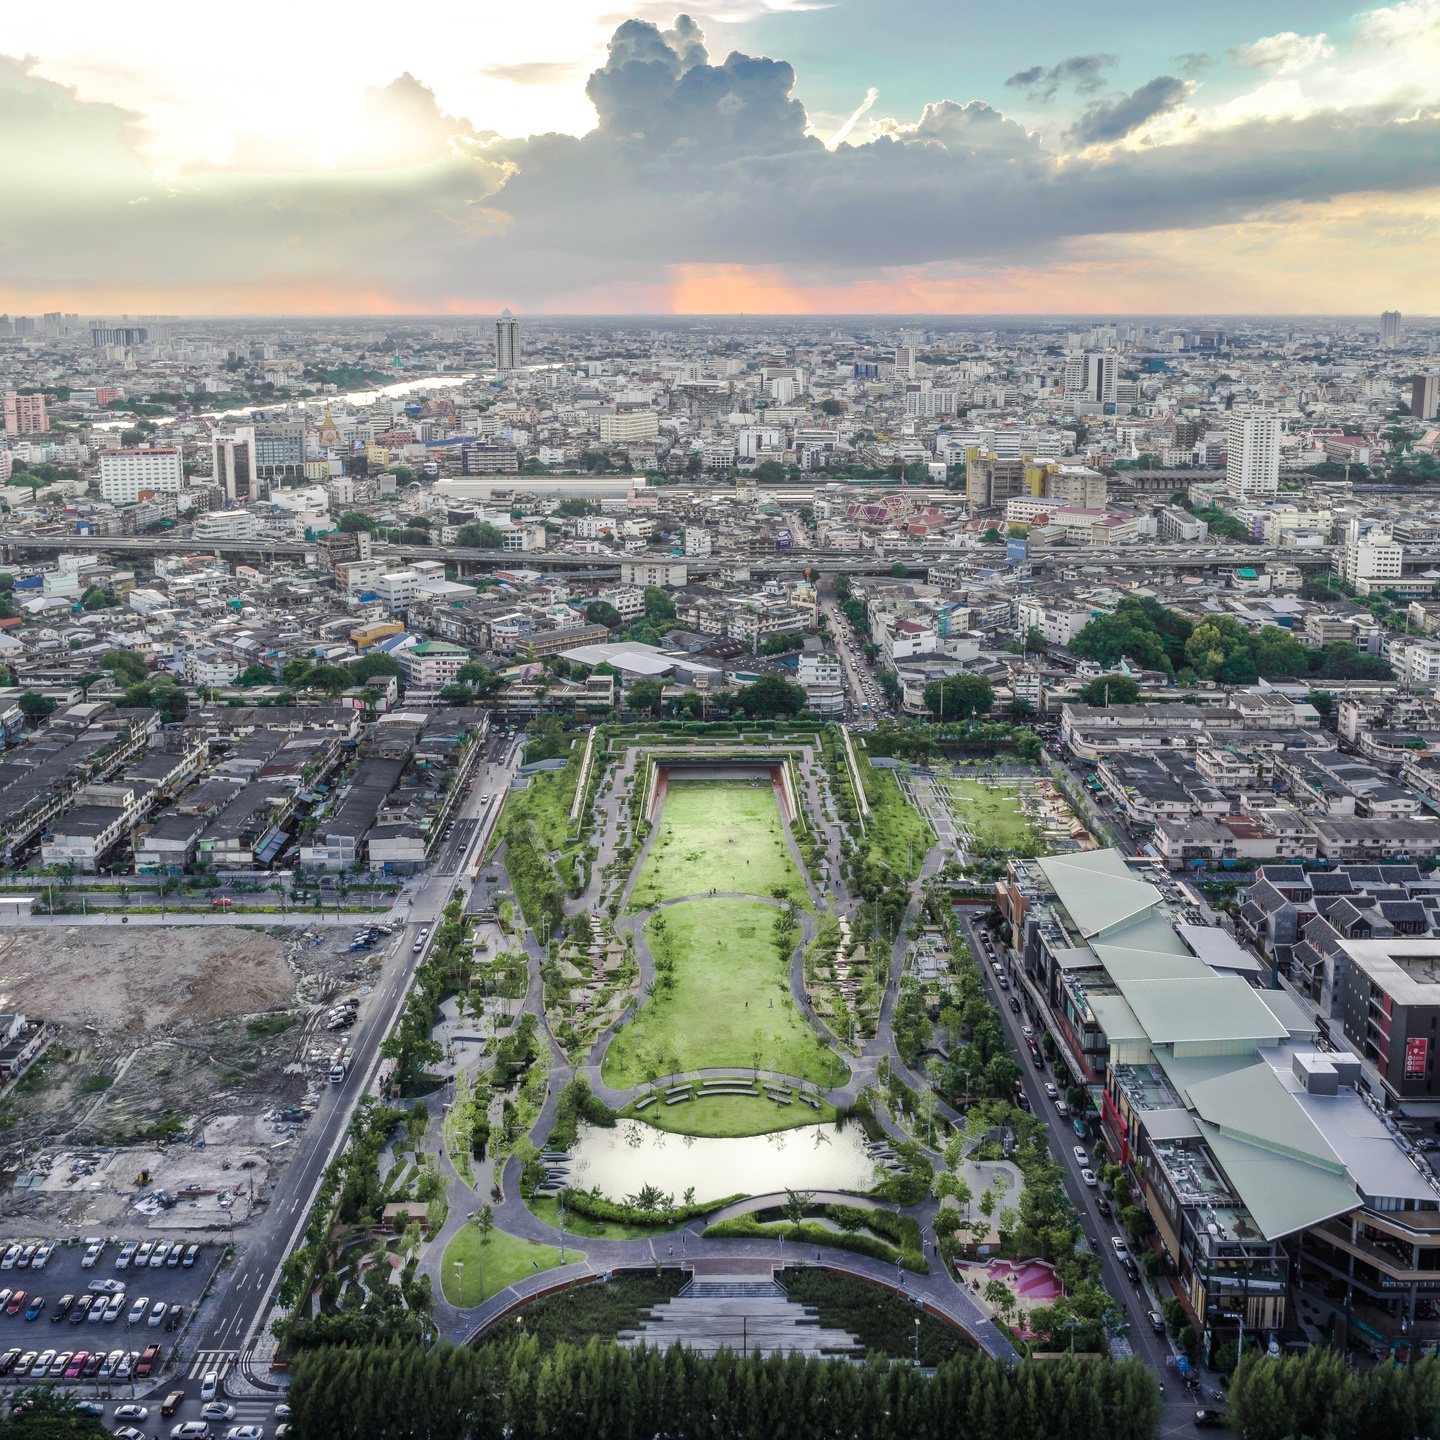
179 1065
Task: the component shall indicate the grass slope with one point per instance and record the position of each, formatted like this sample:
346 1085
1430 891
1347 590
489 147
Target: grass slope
717 834
489 1268
896 830
993 814
547 1208
729 984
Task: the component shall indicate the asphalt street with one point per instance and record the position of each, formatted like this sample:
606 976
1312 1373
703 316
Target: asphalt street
1155 1350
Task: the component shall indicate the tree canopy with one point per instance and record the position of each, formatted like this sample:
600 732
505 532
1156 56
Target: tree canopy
959 696
1110 690
770 696
483 536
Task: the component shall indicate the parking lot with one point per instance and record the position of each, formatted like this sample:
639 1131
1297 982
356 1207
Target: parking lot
64 1274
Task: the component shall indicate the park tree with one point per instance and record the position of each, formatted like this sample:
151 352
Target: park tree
376 663
602 612
483 536
255 675
353 521
659 607
770 696
1106 690
126 666
960 696
644 695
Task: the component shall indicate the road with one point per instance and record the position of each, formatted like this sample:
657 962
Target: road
1155 1350
229 1326
861 687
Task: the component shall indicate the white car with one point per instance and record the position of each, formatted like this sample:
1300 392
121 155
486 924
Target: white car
1088 1176
245 1432
7 1261
137 1310
131 1412
1061 1109
217 1410
42 1255
1081 1154
209 1385
106 1287
126 1255
91 1255
158 1313
1051 1091
1118 1245
157 1256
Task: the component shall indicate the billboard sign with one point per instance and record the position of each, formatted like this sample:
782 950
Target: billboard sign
1416 1053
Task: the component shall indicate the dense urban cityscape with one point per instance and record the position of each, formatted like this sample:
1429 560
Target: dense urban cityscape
1067 691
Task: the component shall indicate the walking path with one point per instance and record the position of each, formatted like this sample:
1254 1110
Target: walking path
686 1245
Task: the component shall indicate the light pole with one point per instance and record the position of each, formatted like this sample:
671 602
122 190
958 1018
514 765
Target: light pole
459 1283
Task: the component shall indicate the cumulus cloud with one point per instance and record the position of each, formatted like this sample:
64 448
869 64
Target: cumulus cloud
1286 52
695 161
1108 121
1085 72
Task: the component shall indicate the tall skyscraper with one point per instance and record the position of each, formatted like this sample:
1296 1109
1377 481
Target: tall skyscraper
233 464
1425 396
1390 329
1252 464
905 361
507 343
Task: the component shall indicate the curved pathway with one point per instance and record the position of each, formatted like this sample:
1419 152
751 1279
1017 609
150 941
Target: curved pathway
686 1245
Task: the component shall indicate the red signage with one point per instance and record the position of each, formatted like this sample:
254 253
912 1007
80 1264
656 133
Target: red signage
1415 1055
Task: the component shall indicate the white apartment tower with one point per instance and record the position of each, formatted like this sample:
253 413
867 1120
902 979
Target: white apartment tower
1390 330
126 475
1252 465
507 343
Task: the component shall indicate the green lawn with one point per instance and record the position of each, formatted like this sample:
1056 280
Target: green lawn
732 1115
717 834
487 1269
729 984
547 1208
992 813
547 799
897 830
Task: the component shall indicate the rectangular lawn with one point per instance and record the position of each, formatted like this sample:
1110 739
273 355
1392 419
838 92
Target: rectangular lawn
993 813
729 984
725 835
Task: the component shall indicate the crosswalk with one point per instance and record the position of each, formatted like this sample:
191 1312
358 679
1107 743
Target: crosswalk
207 1360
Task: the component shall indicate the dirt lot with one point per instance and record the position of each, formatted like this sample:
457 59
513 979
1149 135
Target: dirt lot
162 1037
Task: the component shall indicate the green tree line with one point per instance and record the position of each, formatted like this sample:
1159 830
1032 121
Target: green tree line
606 1392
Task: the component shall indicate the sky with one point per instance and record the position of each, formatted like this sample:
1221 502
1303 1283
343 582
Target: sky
756 156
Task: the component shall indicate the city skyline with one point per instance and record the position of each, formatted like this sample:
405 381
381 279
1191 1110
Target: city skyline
773 159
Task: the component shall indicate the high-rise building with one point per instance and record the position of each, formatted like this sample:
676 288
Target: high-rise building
1252 465
24 414
507 343
1390 329
1425 396
1101 371
102 335
905 361
127 475
233 464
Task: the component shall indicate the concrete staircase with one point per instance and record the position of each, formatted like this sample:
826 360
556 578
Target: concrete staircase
741 1313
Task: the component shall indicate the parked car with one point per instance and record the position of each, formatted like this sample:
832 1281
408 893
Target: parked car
26 1256
1121 1250
1103 1206
92 1253
113 1307
158 1311
1081 1154
142 1255
137 1310
33 1309
126 1368
81 1308
1051 1091
1157 1321
76 1368
1088 1176
126 1255
173 1319
106 1287
1014 1005
11 1255
110 1362
8 1359
147 1362
158 1254
59 1364
16 1303
42 1255
191 1252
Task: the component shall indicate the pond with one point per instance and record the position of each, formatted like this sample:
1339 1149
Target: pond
633 1154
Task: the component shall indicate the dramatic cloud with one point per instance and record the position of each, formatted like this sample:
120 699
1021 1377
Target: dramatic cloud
1085 72
1285 52
699 168
1108 121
